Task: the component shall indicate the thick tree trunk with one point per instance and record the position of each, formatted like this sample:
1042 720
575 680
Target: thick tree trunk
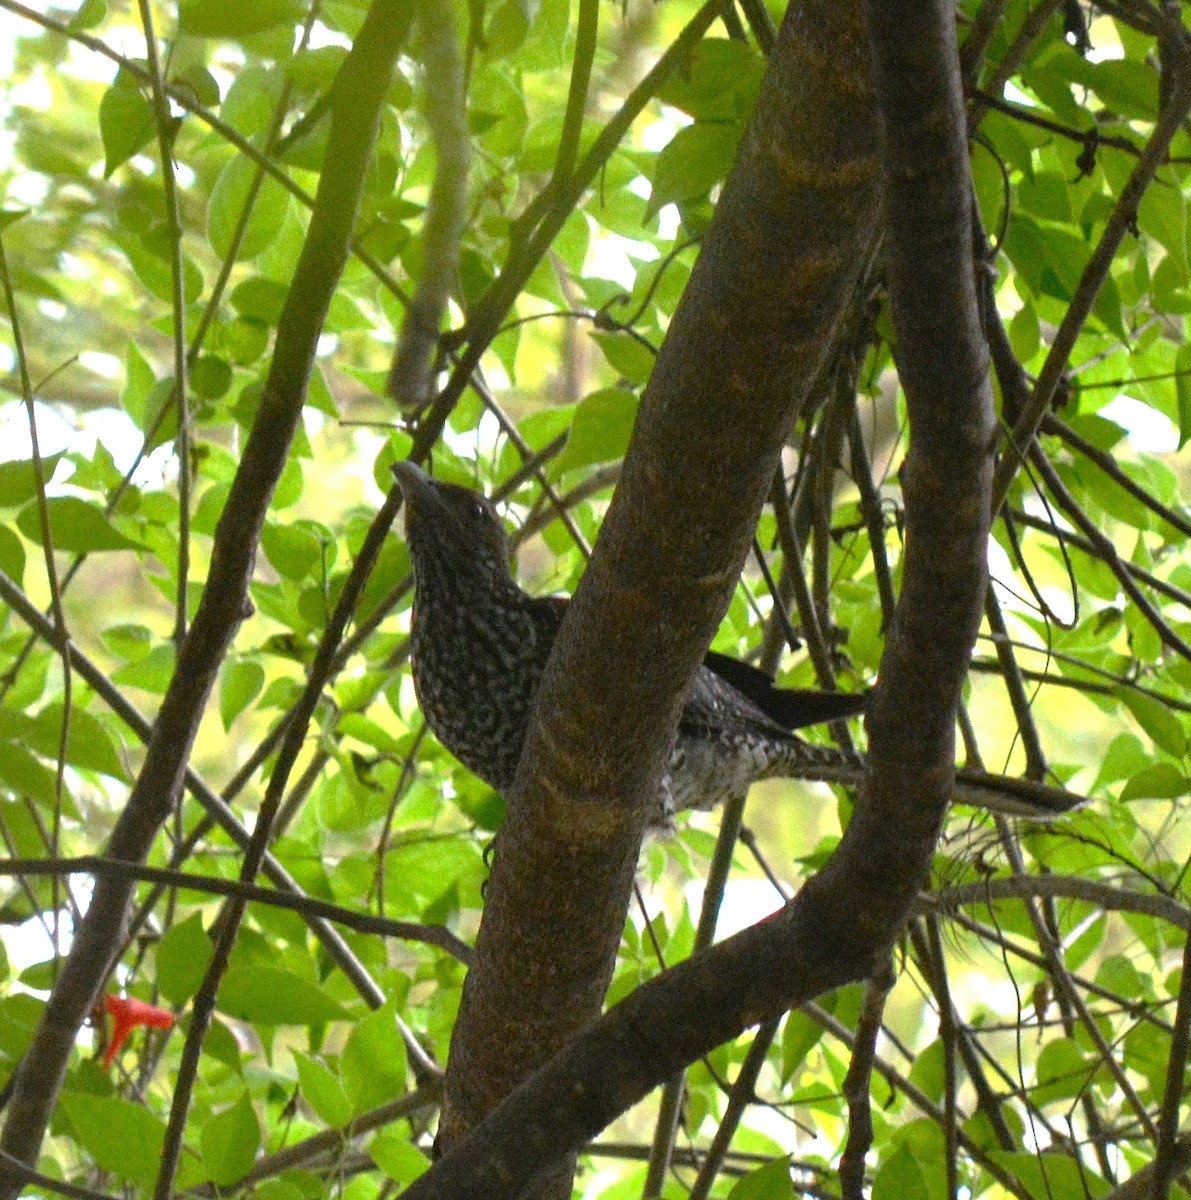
795 220
794 223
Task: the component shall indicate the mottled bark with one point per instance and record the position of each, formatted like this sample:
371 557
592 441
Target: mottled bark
776 267
795 220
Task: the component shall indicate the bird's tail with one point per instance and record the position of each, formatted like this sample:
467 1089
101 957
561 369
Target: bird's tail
1001 794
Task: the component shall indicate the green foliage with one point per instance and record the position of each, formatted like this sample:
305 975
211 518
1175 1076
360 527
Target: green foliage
1094 586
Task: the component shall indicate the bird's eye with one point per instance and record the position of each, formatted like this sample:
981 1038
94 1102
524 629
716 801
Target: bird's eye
479 511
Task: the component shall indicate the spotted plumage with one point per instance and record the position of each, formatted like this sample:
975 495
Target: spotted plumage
480 644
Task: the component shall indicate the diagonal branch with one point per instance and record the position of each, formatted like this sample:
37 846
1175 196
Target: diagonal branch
655 561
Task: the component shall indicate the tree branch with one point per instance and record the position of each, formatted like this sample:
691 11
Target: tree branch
411 377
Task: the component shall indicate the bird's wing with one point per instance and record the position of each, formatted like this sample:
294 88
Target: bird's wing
713 706
790 708
731 696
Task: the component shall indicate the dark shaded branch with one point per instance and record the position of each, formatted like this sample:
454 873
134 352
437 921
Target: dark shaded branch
1067 887
216 885
742 1095
1015 687
411 377
858 1085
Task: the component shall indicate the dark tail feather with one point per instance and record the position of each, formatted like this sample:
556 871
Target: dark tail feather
789 707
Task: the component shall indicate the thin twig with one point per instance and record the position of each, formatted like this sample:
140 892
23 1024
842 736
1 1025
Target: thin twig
217 885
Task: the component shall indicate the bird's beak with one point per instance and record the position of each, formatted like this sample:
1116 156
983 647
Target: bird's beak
416 486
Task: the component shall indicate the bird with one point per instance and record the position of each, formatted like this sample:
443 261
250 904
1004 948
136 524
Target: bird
479 645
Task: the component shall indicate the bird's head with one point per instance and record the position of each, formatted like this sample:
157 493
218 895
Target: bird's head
449 527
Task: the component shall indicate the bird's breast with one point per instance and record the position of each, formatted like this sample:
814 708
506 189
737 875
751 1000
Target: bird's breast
476 676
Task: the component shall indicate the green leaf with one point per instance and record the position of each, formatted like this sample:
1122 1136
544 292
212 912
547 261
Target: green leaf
374 1066
230 1140
240 683
150 257
1157 720
201 83
182 956
770 1182
1120 975
1182 366
152 673
274 996
322 1090
89 744
294 550
1125 756
121 1137
1160 781
211 377
40 976
18 479
20 1015
799 1037
132 642
398 1157
89 14
1127 87
508 26
249 103
601 429
929 1070
139 384
901 1174
26 775
1025 333
76 526
365 730
692 162
228 198
626 355
259 299
1050 1174
12 555
220 19
720 81
1062 1072
125 121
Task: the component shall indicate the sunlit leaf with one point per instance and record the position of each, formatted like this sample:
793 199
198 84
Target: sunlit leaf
322 1090
125 121
121 1137
232 193
274 996
75 525
182 956
216 18
374 1066
230 1141
695 159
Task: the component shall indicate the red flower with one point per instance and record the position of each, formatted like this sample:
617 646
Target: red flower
127 1012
